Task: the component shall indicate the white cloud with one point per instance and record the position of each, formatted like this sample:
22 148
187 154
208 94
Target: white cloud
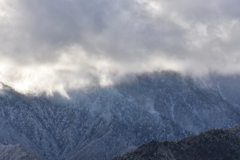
56 45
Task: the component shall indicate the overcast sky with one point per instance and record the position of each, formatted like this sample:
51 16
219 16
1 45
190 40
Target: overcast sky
52 45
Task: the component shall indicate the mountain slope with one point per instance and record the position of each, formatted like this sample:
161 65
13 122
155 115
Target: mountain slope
104 122
214 144
17 152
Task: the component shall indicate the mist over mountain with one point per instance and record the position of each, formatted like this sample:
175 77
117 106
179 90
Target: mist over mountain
78 78
60 45
102 122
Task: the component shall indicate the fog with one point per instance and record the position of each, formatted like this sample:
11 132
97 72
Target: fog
64 44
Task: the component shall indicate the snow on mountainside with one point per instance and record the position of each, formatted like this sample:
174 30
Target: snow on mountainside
106 122
17 152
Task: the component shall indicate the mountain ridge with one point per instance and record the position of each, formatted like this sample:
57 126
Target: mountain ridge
109 121
17 152
214 144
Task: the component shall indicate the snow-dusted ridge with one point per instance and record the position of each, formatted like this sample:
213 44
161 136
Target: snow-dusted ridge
110 121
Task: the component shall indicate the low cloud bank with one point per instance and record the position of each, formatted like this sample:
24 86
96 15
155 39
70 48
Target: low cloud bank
64 44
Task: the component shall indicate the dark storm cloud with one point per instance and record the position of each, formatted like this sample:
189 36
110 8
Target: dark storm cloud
93 40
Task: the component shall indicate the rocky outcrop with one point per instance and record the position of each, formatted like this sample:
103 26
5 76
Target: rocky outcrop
214 144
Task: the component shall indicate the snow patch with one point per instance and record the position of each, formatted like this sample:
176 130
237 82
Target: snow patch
219 90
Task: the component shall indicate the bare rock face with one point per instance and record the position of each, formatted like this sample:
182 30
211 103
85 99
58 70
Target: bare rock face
214 144
17 152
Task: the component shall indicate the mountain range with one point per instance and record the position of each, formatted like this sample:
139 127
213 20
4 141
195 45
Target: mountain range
99 123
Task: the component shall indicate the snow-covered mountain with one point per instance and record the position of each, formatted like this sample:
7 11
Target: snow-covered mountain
104 122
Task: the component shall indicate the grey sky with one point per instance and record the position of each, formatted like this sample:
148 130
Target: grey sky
57 44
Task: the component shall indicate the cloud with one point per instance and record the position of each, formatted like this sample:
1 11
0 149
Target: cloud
52 45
